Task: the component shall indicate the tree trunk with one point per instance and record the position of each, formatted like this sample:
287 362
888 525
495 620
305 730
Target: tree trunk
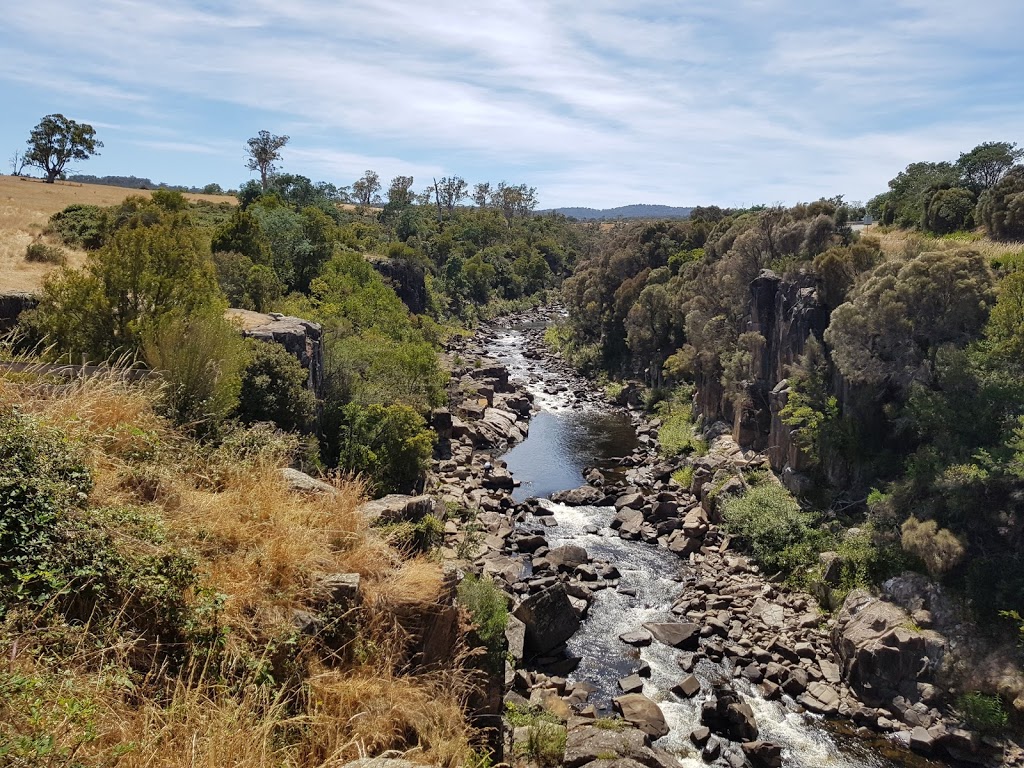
51 175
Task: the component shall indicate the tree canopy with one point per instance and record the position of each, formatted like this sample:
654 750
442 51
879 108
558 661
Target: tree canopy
58 140
264 149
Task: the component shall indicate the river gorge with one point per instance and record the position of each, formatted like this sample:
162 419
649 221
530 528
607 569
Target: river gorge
760 653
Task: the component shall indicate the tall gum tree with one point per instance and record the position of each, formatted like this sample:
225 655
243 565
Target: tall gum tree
58 140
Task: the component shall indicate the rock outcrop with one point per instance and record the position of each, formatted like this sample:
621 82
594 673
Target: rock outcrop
302 338
882 653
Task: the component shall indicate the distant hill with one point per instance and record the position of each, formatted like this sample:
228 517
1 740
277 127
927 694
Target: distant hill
626 212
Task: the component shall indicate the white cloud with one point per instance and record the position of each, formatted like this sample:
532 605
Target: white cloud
600 103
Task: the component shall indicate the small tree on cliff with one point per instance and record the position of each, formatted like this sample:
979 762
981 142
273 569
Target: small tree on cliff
58 140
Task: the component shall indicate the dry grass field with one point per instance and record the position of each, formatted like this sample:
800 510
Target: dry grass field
25 207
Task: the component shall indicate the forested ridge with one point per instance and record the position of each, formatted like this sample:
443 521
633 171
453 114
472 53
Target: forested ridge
881 371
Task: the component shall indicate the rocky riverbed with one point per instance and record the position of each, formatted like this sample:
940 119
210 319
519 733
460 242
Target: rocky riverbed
628 597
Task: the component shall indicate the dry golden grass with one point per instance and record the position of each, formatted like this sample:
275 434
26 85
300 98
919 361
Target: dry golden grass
261 546
26 206
902 242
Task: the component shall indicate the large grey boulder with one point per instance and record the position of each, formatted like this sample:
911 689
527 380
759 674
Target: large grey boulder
567 558
679 635
881 654
397 507
590 745
640 711
586 495
549 618
300 482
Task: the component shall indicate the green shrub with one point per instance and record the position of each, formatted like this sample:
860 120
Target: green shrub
983 713
488 607
83 226
42 479
201 358
545 743
45 254
274 387
677 435
780 535
419 537
684 476
389 444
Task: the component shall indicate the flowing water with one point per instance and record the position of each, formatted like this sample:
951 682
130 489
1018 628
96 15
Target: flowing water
565 438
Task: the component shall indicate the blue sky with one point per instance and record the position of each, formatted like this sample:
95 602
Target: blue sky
597 103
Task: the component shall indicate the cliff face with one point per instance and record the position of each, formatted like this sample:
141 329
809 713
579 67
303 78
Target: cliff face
407 281
12 304
786 314
301 338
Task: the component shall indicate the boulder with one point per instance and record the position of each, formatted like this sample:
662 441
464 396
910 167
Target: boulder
679 635
549 618
396 508
382 762
588 744
586 495
640 711
727 715
688 687
763 754
302 338
300 482
879 653
567 558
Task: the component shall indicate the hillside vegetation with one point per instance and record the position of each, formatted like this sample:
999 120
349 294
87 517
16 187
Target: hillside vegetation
152 595
26 206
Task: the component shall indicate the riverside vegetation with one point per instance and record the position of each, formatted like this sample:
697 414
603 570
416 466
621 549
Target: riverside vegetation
162 588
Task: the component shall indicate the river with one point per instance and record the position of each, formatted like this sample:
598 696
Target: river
565 438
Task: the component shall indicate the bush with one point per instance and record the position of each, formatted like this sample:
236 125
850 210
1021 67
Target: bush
390 444
938 548
201 358
488 607
42 478
684 476
45 254
983 713
677 434
780 535
81 226
274 387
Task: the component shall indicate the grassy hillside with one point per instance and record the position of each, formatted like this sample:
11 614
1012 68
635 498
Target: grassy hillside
153 600
25 207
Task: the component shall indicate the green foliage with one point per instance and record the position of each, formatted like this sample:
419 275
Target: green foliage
421 536
42 478
58 140
201 357
45 254
779 534
274 387
948 210
892 327
677 435
390 444
684 476
810 410
141 275
81 226
545 743
1001 208
982 712
987 163
242 234
488 608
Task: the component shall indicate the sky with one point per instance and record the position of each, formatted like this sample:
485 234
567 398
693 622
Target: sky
597 103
